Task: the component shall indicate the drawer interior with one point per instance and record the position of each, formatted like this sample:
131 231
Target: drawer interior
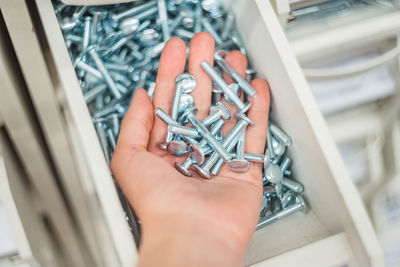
335 205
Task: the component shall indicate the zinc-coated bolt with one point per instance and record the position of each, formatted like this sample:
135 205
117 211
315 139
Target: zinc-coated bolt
198 14
186 102
184 168
292 185
278 148
133 11
184 34
163 19
177 148
207 26
111 138
285 164
299 206
230 19
100 66
247 88
183 130
280 134
273 174
225 88
89 69
129 25
94 92
86 33
240 164
103 139
219 111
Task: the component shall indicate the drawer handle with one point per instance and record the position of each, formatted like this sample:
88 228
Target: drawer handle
353 69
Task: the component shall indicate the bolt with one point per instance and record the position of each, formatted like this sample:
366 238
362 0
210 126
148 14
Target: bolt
240 164
270 149
103 139
100 65
229 20
182 130
111 138
89 69
280 134
299 206
163 19
278 148
94 92
177 148
198 14
273 174
215 144
225 88
219 111
247 88
184 34
119 67
250 74
285 164
288 198
164 116
186 102
134 11
184 168
86 34
232 137
292 185
129 25
207 26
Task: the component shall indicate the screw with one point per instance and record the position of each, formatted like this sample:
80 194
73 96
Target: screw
299 206
247 88
219 111
280 134
100 65
225 88
292 185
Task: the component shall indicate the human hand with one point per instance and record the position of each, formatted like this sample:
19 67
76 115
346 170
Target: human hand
189 221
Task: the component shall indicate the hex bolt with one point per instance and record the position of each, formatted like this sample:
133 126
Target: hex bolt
220 111
292 185
134 11
225 88
218 147
230 19
207 26
247 88
100 65
299 206
184 168
94 92
183 130
280 134
232 138
240 164
163 19
273 174
285 164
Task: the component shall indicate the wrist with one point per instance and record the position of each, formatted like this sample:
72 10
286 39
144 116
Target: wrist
188 242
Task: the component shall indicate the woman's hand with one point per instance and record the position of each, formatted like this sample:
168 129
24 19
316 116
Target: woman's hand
189 221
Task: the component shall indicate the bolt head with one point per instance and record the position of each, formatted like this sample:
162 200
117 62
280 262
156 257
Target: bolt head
242 116
187 81
224 110
177 148
273 174
185 115
186 102
239 165
197 153
182 170
129 25
300 200
162 146
202 172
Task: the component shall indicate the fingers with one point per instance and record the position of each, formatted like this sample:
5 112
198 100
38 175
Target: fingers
172 63
201 49
136 127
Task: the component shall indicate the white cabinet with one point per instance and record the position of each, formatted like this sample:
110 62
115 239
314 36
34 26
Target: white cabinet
336 231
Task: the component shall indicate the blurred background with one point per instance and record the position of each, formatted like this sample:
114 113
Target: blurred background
52 214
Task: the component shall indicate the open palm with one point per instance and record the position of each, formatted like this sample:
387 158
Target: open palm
228 204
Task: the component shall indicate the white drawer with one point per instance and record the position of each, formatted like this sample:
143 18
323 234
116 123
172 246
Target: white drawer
337 221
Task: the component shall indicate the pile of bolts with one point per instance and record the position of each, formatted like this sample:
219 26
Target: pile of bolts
116 49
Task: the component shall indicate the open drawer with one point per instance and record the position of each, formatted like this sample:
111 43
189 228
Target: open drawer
336 231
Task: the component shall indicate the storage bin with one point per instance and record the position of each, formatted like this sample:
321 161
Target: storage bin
336 230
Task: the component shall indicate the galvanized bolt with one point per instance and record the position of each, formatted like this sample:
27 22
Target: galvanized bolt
292 185
219 111
280 134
